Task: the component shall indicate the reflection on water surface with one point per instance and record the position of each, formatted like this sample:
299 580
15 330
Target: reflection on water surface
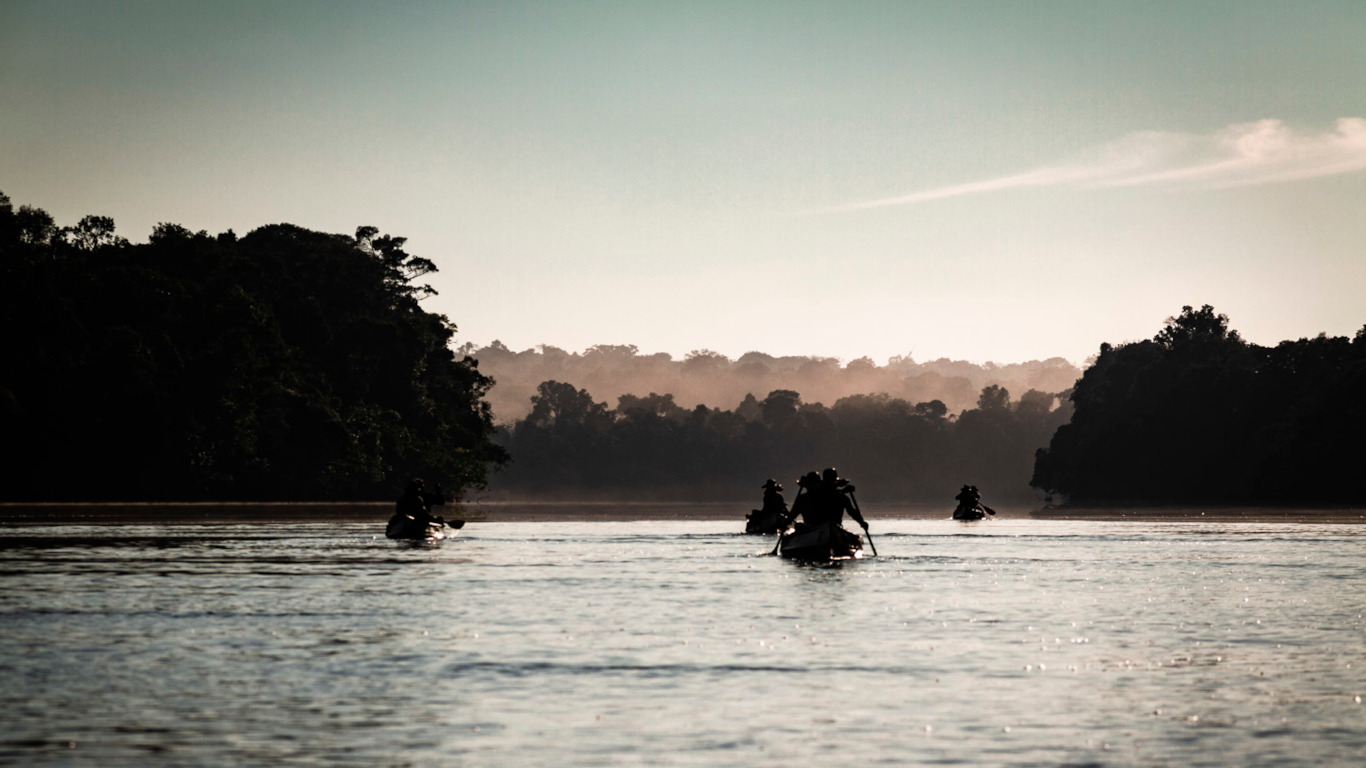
1019 642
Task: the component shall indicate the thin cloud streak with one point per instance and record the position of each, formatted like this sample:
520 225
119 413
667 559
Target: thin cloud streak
1246 154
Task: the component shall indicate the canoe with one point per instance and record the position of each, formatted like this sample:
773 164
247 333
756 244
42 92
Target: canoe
763 523
409 529
977 511
821 543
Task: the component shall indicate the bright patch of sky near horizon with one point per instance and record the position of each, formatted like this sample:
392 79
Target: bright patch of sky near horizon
978 180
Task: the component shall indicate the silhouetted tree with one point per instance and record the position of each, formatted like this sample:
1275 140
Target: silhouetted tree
285 364
649 446
1197 414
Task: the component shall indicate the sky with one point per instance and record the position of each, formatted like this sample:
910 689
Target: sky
984 181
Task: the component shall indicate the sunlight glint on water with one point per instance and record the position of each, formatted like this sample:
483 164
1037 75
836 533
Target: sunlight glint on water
1017 642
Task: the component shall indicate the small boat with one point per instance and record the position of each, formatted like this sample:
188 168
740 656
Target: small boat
764 523
975 512
821 543
407 528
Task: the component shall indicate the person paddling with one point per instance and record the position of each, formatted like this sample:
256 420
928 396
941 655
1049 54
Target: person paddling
831 501
417 502
828 497
802 506
774 512
970 504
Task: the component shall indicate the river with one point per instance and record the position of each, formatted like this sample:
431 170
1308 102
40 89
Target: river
1012 642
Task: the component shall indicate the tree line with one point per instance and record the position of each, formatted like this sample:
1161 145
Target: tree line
293 364
651 447
1197 414
284 364
705 377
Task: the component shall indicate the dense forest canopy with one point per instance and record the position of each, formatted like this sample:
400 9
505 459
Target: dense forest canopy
1196 414
709 378
651 447
285 364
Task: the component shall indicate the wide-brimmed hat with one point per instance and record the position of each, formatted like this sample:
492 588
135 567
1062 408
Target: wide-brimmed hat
771 483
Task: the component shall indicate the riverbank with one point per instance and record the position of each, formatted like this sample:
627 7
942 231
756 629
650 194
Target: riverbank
223 513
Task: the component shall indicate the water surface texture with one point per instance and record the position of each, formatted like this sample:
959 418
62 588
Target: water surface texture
1015 642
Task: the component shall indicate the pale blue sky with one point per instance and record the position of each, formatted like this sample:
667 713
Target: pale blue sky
979 180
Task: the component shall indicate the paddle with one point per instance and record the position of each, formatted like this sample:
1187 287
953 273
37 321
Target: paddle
785 522
854 500
989 510
438 499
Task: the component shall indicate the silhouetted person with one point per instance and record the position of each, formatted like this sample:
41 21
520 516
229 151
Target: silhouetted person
830 501
970 504
417 502
967 498
773 498
773 515
802 504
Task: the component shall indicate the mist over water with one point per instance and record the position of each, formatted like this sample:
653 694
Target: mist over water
1013 642
709 378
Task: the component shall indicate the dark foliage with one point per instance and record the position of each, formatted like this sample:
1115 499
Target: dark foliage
1198 415
650 447
286 364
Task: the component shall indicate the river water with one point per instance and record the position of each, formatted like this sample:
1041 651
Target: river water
1013 642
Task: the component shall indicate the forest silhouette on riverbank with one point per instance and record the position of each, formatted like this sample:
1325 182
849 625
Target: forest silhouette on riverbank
1197 414
1193 415
289 364
285 364
650 447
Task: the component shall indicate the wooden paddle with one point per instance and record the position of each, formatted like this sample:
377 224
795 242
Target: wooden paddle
871 545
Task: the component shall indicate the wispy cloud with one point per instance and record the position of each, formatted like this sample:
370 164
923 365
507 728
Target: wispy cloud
1263 152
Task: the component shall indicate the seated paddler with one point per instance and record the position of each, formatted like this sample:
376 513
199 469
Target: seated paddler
969 499
801 505
773 515
417 502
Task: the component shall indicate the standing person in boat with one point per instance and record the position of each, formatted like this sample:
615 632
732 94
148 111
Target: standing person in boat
774 512
830 500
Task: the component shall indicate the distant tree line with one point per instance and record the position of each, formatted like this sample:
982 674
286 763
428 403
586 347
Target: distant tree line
285 364
650 447
704 377
292 364
1196 414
